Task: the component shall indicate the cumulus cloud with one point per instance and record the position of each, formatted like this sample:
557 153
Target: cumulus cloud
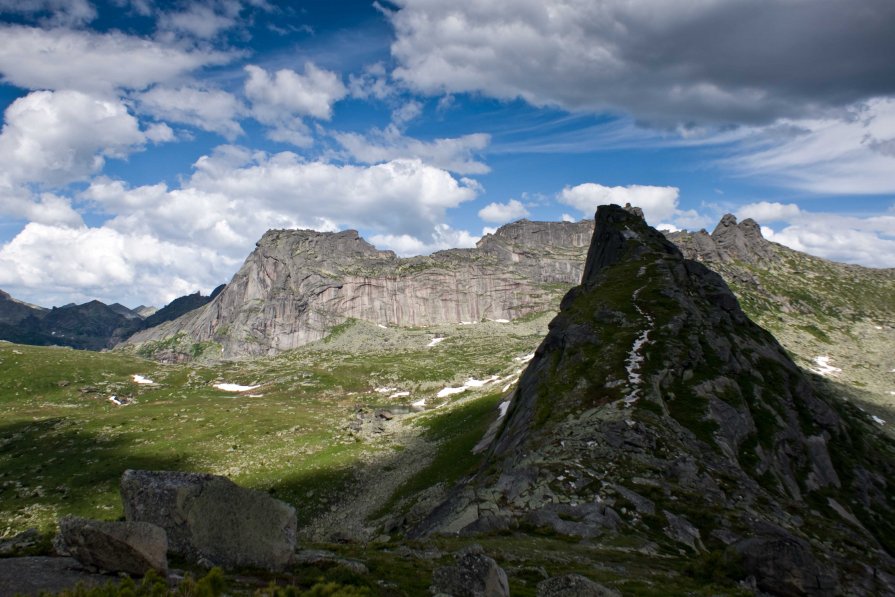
442 237
457 154
211 110
310 94
659 61
868 241
202 230
56 137
80 263
36 58
657 203
766 211
501 213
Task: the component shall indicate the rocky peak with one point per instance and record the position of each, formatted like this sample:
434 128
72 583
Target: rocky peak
654 408
742 241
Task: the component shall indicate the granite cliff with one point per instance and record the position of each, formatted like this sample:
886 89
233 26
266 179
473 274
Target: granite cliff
297 285
655 409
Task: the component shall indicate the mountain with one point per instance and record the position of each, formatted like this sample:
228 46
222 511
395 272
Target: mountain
91 326
834 318
657 411
298 285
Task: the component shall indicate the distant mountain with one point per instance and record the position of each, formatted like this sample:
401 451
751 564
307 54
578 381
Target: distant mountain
92 325
656 411
297 285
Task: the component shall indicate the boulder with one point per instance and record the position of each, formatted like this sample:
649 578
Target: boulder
210 518
474 575
784 565
573 585
41 575
131 547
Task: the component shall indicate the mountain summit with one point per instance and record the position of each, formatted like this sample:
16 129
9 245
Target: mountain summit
655 409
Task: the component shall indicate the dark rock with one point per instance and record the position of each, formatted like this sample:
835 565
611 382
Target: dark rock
784 565
474 575
210 517
33 576
573 585
131 547
17 544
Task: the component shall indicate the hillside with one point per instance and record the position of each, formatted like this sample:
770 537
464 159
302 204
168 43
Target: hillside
655 409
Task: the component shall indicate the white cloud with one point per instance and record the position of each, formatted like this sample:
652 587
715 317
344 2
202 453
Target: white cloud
867 241
841 154
442 237
52 12
57 265
201 20
766 211
501 213
657 203
372 83
568 218
455 154
208 109
65 59
56 137
310 94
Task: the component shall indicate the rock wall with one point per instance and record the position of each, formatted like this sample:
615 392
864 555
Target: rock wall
299 284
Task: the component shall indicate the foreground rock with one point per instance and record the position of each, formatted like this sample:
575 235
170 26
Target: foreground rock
573 585
210 519
131 547
40 575
474 575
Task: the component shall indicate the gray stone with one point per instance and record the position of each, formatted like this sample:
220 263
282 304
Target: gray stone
573 585
679 529
582 520
19 543
474 575
784 565
211 517
131 547
34 576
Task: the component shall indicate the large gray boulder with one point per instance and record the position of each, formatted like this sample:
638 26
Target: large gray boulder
131 547
784 565
474 575
573 585
211 519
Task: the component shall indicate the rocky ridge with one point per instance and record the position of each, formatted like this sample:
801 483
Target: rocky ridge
298 285
656 409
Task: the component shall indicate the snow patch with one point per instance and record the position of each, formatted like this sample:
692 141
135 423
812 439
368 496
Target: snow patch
434 342
504 406
501 320
525 359
877 420
421 403
879 327
142 380
232 387
635 358
115 400
468 322
825 368
399 395
385 390
444 392
385 327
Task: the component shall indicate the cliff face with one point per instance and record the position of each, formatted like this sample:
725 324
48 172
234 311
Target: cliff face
298 284
655 409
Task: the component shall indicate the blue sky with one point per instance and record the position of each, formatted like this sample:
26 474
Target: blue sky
147 145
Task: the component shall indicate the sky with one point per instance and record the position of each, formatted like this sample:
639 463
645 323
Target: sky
147 145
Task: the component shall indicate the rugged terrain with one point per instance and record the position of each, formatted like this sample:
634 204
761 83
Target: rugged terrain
656 410
297 285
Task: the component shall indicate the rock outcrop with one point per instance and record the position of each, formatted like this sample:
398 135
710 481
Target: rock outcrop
655 408
474 575
130 547
298 285
211 520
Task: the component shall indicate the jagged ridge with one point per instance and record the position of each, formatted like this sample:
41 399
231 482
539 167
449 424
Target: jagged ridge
714 441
